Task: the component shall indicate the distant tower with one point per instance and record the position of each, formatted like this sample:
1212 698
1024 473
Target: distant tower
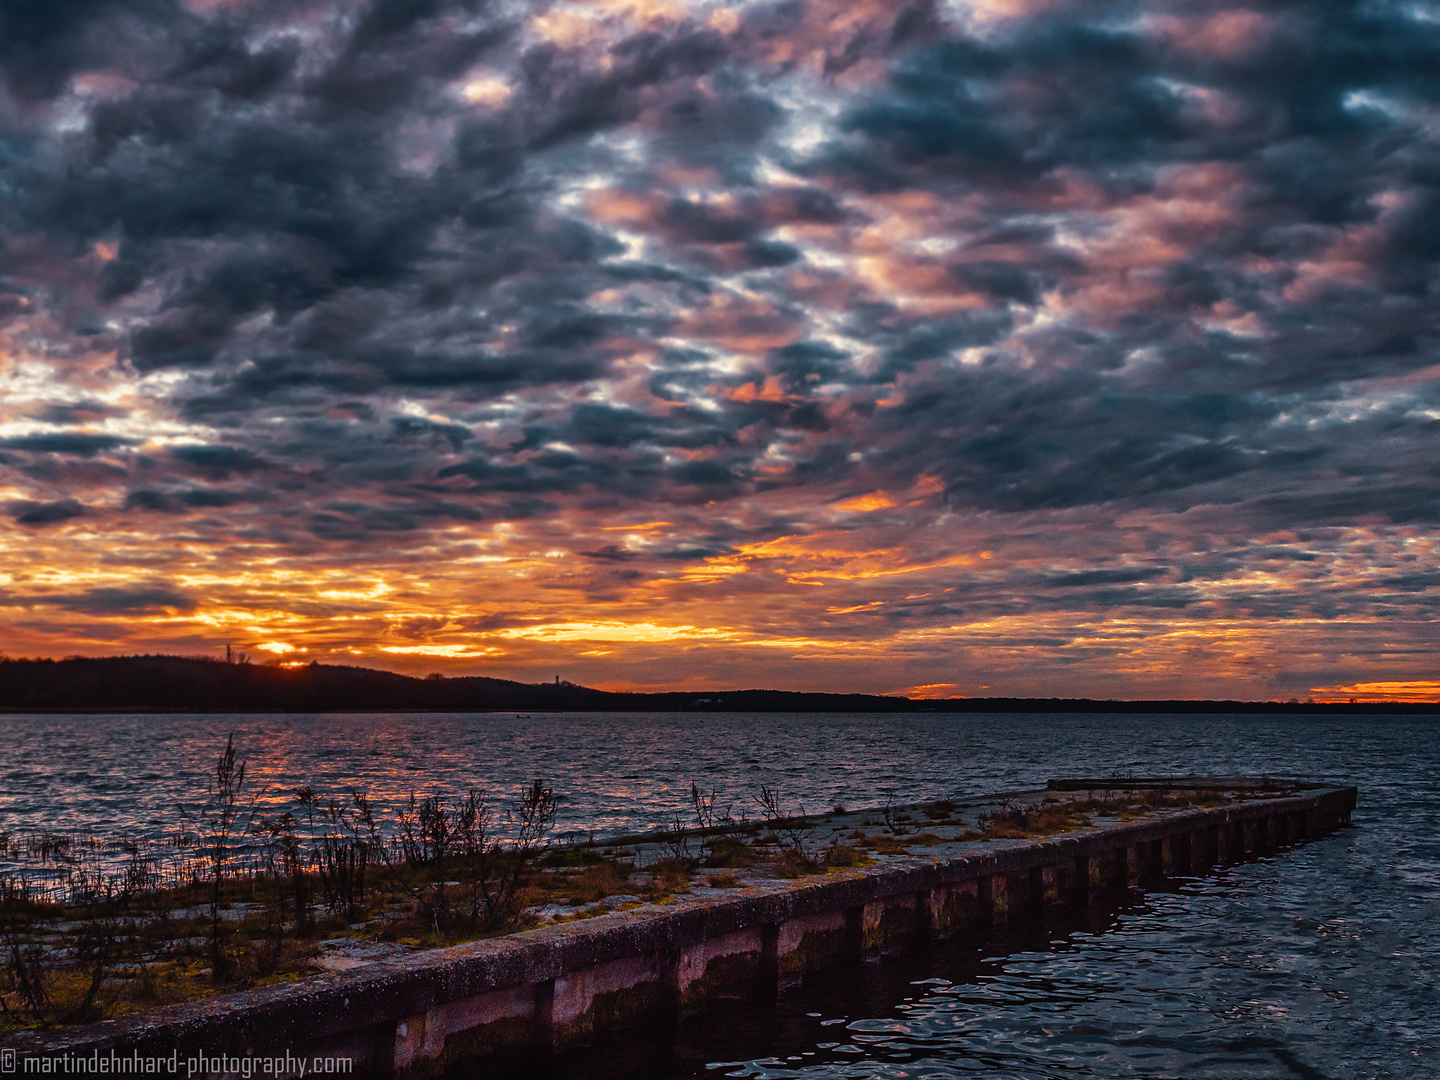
557 680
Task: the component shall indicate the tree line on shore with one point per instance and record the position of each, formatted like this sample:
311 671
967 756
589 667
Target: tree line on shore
201 684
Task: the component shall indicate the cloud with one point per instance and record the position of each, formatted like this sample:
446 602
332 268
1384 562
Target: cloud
115 600
41 45
78 444
33 513
80 412
218 460
1139 298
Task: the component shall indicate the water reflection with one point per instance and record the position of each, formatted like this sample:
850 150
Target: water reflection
1319 962
620 772
1254 973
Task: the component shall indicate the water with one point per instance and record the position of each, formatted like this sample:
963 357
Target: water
1317 962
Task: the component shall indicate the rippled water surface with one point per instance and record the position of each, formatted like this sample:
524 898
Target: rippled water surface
1318 962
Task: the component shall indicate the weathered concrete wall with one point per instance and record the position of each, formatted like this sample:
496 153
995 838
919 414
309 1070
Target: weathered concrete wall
557 986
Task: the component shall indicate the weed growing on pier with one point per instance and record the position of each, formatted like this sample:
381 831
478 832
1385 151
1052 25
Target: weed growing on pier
347 843
845 856
36 990
221 817
1015 820
730 851
500 876
599 881
675 842
235 898
791 832
940 810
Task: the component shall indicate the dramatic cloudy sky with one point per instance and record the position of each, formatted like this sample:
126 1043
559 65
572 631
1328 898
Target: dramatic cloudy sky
946 346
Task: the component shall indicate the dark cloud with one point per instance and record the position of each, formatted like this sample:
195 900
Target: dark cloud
33 513
42 44
1414 583
82 412
612 553
430 432
220 59
218 460
130 600
146 499
396 48
77 443
1108 577
185 499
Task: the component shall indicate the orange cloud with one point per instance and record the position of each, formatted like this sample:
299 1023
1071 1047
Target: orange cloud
812 559
938 690
864 504
769 390
744 324
1420 690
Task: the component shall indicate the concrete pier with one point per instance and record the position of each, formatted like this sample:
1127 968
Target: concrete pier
543 990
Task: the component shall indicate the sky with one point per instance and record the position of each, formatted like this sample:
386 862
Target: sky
946 347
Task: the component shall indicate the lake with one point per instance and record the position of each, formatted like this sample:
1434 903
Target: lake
1316 962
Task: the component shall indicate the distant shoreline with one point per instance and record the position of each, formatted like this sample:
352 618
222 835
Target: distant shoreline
1075 706
168 685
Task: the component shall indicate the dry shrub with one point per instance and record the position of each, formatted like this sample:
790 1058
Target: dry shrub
889 845
727 851
789 863
901 845
925 839
1018 822
841 856
670 875
597 882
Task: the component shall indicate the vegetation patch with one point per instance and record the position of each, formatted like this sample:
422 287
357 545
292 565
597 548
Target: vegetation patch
846 856
323 882
939 810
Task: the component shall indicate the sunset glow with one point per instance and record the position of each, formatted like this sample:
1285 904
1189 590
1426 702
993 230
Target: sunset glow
950 349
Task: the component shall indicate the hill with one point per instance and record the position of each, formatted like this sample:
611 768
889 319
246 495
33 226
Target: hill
186 684
190 684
